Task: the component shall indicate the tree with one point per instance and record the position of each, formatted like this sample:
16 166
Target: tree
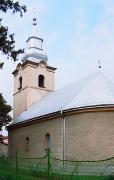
5 118
1 65
7 47
7 41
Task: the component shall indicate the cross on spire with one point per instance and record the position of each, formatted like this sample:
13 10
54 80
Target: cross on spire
34 22
34 17
99 62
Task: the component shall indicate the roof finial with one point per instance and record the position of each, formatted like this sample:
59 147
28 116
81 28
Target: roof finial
99 61
34 18
34 22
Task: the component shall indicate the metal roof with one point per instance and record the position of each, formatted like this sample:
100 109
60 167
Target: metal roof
34 50
35 55
94 90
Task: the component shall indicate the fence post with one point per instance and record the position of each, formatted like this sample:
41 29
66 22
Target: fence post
49 162
16 165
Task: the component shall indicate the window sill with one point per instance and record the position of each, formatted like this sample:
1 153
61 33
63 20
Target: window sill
42 87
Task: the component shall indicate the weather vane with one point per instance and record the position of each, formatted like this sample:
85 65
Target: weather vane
99 62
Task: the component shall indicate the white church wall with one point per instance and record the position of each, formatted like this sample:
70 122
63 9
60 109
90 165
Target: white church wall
36 133
90 135
30 91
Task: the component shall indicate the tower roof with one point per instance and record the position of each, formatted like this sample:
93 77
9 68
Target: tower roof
34 50
93 91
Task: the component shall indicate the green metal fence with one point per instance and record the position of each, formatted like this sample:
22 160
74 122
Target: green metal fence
48 167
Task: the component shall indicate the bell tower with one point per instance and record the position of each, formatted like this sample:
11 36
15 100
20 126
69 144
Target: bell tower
33 78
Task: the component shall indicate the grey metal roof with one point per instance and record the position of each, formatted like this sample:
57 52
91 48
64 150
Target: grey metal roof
35 55
94 90
34 50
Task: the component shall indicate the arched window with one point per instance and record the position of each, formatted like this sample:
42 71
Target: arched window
27 144
47 141
41 81
20 83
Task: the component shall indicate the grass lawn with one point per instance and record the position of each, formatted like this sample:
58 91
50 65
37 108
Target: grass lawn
5 175
8 175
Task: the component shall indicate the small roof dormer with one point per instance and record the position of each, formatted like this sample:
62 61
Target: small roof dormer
34 50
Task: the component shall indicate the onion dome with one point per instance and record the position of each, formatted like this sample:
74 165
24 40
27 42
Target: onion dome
34 50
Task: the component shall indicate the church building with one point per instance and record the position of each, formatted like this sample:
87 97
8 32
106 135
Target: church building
75 122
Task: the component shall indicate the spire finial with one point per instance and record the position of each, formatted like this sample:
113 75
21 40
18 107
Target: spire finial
34 22
34 17
99 62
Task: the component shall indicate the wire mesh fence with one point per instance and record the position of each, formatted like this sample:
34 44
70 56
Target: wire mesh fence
48 167
82 170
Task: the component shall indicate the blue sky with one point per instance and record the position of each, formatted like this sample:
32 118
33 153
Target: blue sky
76 33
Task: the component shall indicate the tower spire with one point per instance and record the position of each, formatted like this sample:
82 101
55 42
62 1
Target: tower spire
34 50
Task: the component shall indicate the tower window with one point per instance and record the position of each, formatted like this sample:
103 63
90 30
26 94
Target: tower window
47 141
27 144
20 83
41 81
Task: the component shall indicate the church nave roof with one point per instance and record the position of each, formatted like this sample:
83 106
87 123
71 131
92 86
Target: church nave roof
92 91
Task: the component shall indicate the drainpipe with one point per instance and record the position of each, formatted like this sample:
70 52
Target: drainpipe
64 134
